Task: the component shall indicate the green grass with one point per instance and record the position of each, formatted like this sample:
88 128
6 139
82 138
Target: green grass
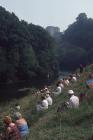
50 125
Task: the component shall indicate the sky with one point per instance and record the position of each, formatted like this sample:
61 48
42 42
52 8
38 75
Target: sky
45 13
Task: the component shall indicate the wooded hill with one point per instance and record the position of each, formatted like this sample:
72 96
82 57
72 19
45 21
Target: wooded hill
27 51
71 124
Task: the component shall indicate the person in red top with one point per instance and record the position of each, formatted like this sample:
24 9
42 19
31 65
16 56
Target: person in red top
11 130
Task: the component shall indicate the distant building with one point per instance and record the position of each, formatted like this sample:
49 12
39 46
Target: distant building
53 30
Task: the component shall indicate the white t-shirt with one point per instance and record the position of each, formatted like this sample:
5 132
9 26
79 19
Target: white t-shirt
45 104
61 85
42 106
73 102
58 91
49 100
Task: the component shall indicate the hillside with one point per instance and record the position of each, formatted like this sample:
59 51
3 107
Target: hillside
50 125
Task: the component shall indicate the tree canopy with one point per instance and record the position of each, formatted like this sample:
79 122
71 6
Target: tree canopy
76 44
26 50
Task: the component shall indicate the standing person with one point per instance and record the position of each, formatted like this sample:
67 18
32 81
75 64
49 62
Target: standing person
73 100
22 126
81 68
11 130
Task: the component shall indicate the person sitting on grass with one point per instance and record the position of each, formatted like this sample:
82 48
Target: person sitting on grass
22 125
66 82
58 90
49 99
74 78
73 100
77 75
17 107
11 130
61 83
42 105
46 90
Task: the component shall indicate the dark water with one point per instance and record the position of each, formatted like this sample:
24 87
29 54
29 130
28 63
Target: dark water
20 89
63 74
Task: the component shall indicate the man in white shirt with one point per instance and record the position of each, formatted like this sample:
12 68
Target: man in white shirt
73 101
43 105
49 99
58 91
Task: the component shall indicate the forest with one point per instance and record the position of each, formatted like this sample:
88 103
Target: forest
27 51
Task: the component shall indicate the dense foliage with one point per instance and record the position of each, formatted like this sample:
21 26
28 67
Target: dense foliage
76 43
26 50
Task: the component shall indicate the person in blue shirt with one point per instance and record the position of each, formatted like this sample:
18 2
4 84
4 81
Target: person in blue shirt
22 125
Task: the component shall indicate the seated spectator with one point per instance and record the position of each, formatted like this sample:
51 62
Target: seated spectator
70 77
45 87
22 125
49 99
73 100
46 90
60 82
58 91
11 130
77 75
43 105
66 82
17 107
74 79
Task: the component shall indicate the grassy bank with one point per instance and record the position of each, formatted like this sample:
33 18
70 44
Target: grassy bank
50 125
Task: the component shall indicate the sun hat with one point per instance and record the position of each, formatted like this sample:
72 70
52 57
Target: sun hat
70 92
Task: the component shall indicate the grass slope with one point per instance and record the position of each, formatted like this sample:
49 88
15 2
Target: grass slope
50 125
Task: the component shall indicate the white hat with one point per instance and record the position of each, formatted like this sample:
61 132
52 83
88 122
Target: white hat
70 92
